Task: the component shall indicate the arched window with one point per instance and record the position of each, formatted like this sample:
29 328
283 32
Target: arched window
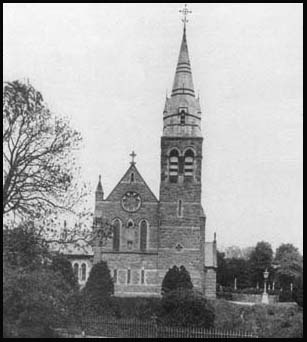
173 166
143 236
188 164
132 177
83 272
116 234
76 271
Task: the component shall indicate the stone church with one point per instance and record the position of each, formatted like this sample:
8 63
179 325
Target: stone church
151 234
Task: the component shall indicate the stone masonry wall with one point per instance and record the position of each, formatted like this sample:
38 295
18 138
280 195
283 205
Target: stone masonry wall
135 263
210 283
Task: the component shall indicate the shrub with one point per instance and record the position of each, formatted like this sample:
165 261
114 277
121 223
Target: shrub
176 278
33 302
185 307
98 290
61 264
135 307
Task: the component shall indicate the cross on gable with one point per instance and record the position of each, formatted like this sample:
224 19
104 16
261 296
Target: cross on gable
132 155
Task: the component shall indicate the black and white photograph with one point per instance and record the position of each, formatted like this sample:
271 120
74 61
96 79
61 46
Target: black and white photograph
153 170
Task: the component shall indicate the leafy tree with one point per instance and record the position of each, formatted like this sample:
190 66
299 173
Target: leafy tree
290 264
61 264
34 296
246 252
285 248
260 259
176 278
229 269
33 301
98 289
23 248
239 269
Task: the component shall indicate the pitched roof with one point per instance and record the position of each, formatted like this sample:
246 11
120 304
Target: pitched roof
138 185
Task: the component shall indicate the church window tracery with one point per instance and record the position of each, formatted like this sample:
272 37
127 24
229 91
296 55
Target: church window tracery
143 235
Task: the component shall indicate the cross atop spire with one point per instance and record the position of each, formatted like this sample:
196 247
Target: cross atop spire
132 155
185 11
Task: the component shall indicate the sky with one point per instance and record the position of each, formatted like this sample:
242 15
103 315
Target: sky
109 67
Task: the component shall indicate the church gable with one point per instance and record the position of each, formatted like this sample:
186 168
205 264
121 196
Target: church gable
132 181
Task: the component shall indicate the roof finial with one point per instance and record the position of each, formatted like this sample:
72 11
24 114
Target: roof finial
185 13
132 155
99 186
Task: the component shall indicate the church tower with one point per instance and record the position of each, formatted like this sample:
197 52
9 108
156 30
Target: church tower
181 142
182 219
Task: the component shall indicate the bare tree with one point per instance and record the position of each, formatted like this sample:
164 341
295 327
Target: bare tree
38 163
84 233
40 175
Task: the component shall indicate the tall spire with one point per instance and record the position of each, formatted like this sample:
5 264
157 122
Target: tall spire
182 113
183 82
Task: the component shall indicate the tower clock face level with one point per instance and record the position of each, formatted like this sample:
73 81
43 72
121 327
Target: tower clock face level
131 201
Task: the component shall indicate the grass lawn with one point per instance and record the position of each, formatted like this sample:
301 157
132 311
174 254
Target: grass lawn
280 320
